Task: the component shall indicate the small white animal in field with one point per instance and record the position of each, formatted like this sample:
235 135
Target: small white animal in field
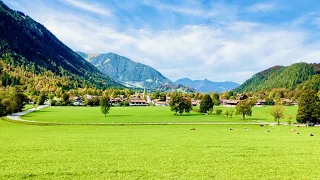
267 130
292 130
310 134
230 129
245 129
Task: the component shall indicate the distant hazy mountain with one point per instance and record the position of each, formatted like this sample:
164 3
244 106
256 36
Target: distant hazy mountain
126 71
207 86
299 75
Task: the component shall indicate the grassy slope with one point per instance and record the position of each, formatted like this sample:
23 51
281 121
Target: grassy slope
140 114
157 152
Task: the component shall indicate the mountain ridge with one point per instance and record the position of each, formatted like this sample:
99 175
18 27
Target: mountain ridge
206 85
30 44
288 77
127 71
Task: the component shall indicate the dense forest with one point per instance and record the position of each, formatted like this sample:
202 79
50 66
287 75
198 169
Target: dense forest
299 75
24 43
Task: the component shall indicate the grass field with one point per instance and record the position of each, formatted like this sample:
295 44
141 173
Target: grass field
141 114
157 152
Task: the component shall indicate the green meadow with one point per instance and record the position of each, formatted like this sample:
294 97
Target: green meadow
157 152
150 114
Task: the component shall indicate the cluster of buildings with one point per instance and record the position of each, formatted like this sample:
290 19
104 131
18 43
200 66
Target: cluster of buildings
259 103
233 103
142 100
132 100
158 102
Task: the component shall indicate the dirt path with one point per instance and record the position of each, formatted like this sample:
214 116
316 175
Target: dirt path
16 116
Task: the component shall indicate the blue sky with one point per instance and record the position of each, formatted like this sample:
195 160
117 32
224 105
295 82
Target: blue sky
223 40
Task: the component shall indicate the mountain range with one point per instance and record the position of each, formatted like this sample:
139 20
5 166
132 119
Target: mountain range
29 51
126 71
299 75
207 86
26 43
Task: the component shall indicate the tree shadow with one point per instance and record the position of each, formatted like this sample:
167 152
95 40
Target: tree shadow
186 115
119 115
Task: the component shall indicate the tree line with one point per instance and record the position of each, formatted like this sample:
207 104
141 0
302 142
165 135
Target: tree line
308 110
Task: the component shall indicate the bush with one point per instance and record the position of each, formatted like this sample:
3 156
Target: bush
231 112
270 102
126 103
210 112
53 102
218 112
227 112
196 110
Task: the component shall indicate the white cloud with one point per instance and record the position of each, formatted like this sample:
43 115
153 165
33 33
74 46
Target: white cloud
311 18
184 9
316 21
195 8
87 7
262 7
231 51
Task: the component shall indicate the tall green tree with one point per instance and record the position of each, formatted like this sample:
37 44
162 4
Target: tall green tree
244 108
155 95
277 112
163 97
65 99
41 99
188 105
215 99
206 103
179 104
308 110
2 109
105 105
17 101
174 102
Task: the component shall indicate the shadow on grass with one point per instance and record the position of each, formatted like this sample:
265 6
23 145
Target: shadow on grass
256 119
186 115
42 111
119 115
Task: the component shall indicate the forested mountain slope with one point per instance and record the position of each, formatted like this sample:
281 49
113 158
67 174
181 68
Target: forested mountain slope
26 44
289 77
